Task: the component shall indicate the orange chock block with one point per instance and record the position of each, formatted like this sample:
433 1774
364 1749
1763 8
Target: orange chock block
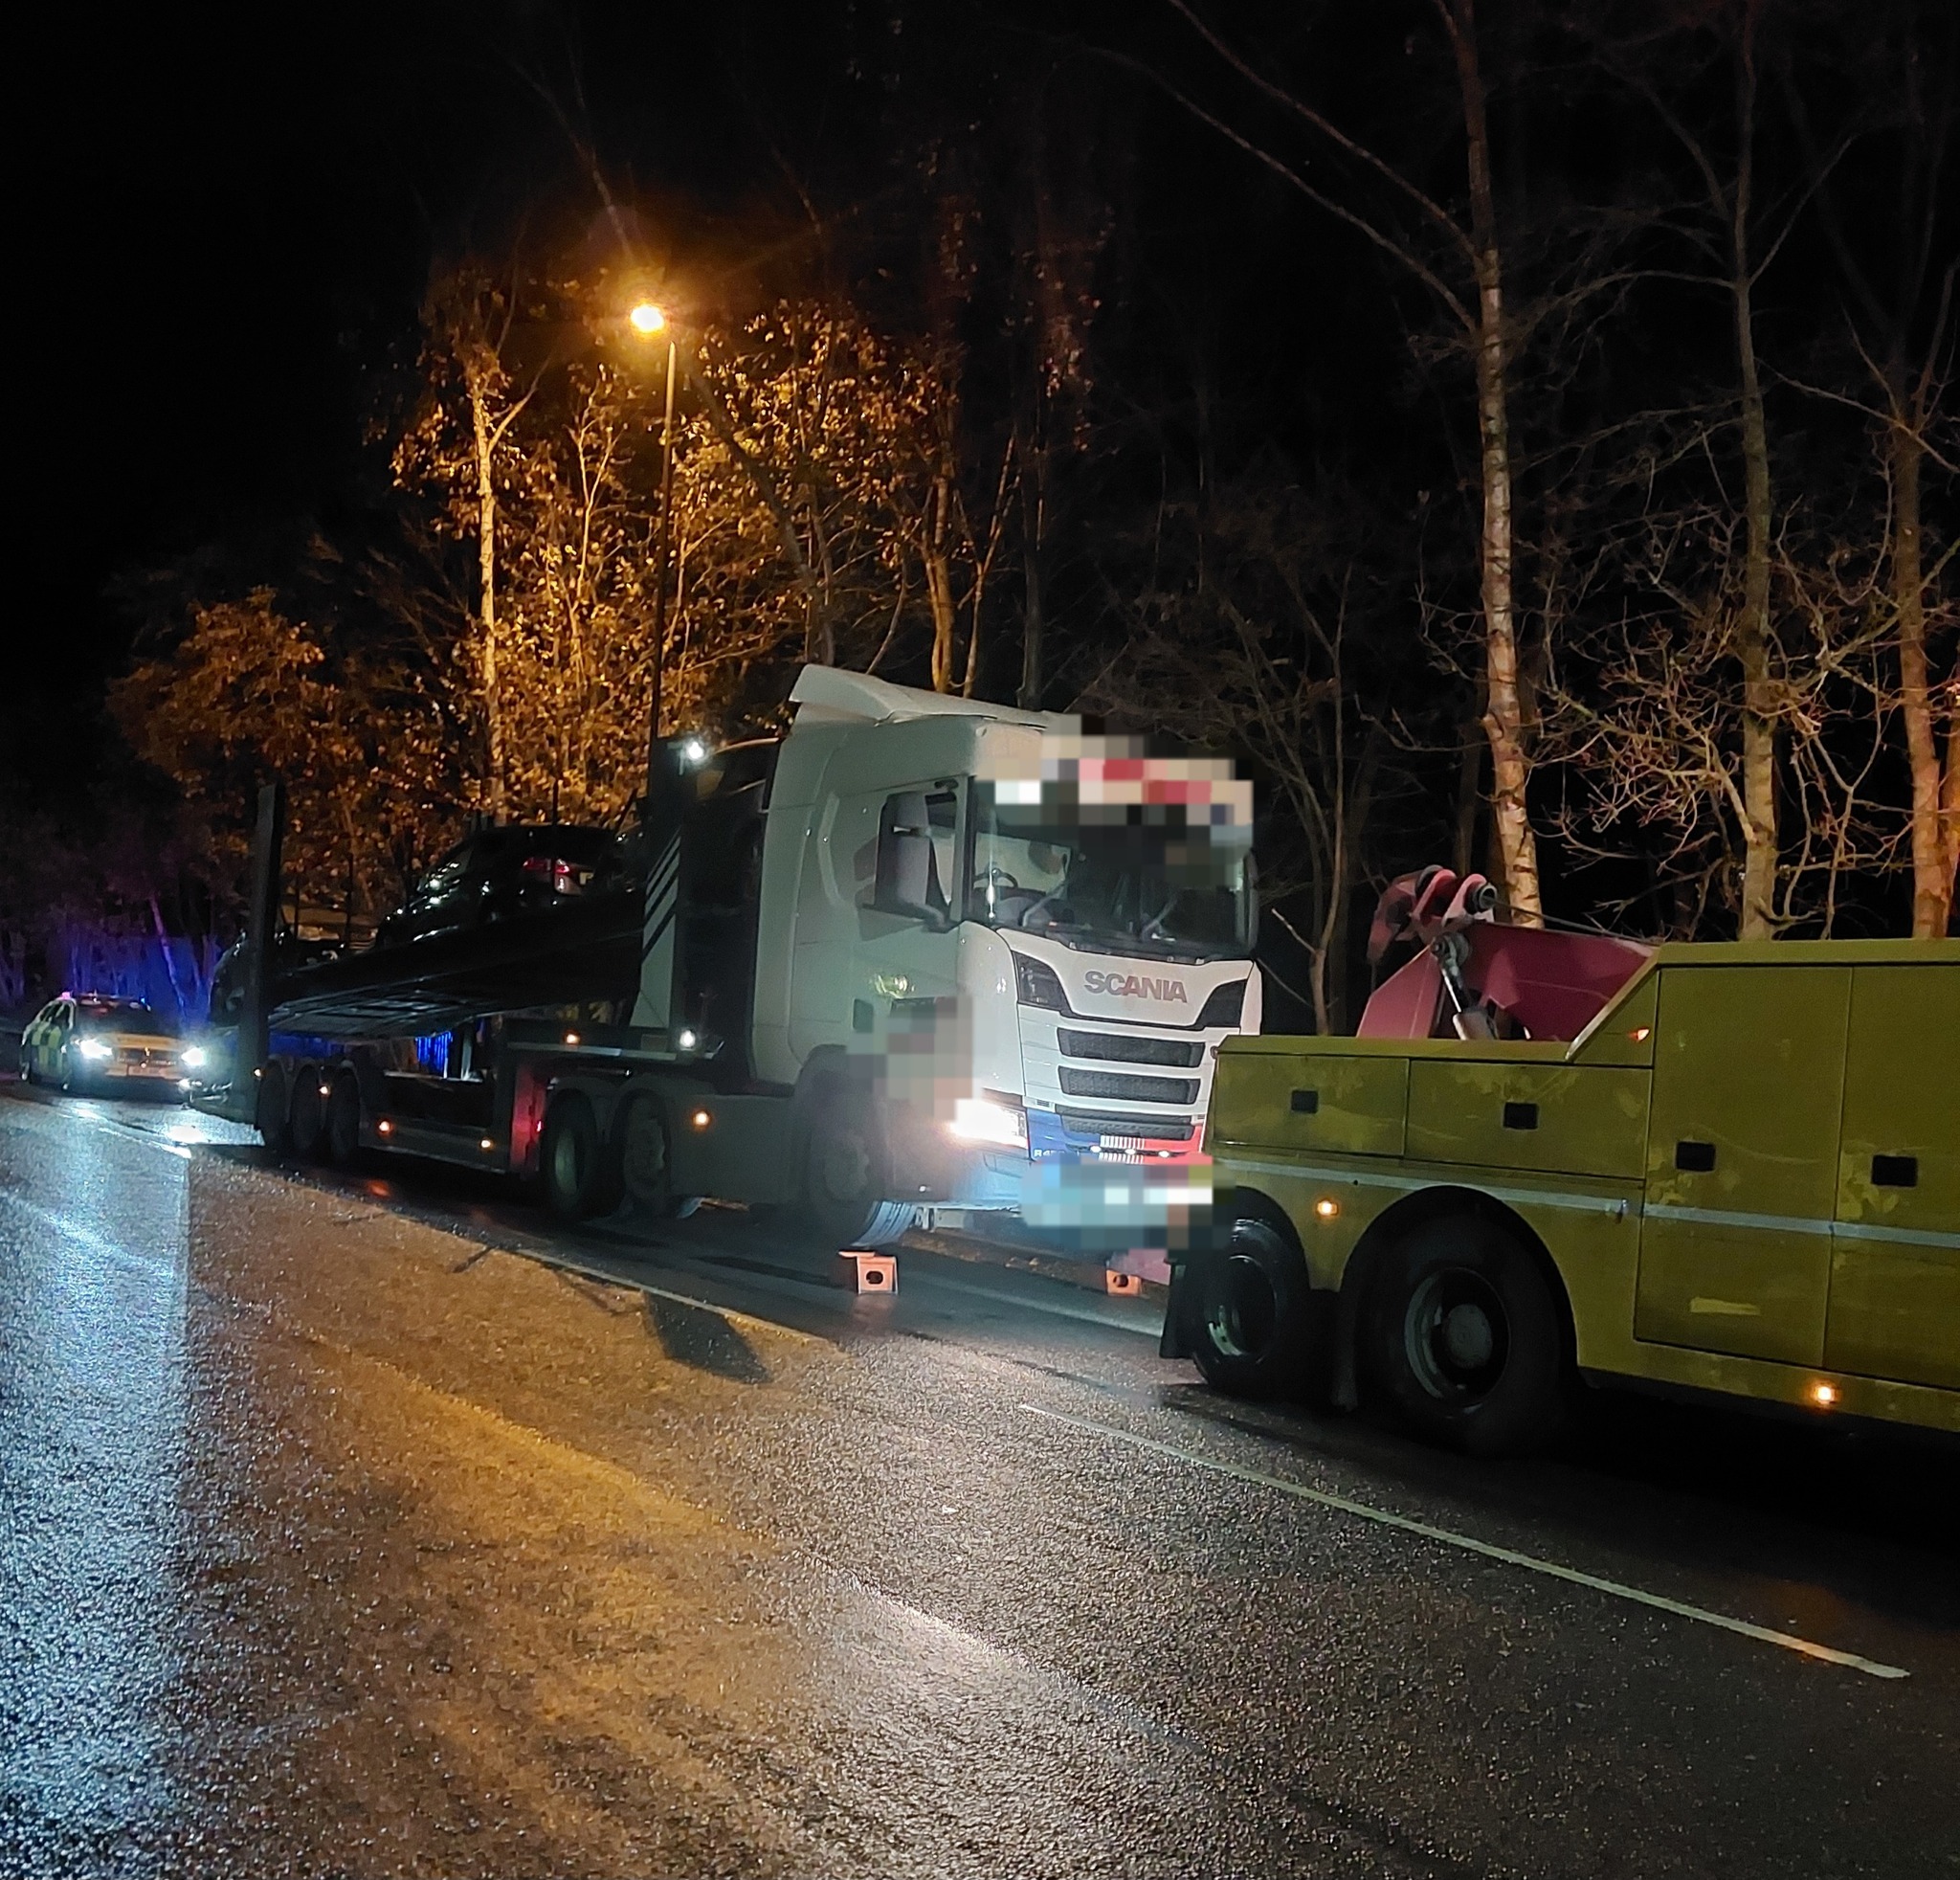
1121 1285
865 1272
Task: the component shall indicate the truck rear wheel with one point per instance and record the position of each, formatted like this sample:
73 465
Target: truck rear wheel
1251 1320
1464 1339
843 1175
343 1137
646 1162
307 1112
275 1128
578 1183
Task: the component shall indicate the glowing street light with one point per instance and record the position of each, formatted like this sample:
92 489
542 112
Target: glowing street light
647 317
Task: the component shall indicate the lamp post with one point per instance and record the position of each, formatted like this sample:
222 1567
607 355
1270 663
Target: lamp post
647 320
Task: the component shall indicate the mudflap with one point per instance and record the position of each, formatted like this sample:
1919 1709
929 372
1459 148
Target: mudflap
1175 1339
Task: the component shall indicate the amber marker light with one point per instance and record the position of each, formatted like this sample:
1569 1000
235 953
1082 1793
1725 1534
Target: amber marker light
571 1037
1823 1395
1326 1207
647 317
1641 1034
385 1127
700 1119
486 1143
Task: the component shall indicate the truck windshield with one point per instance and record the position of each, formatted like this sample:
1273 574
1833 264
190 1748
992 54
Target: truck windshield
1183 893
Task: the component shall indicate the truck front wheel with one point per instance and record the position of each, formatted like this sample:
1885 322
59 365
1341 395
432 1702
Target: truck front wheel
843 1184
577 1181
1463 1338
1252 1316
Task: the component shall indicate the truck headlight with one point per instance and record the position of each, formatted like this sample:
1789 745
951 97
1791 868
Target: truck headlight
194 1057
95 1050
982 1119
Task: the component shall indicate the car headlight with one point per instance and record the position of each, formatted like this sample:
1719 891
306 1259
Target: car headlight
981 1119
194 1057
95 1050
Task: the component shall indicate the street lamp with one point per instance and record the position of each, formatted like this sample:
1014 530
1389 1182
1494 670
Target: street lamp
647 320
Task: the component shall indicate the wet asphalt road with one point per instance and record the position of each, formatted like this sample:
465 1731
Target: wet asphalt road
341 1534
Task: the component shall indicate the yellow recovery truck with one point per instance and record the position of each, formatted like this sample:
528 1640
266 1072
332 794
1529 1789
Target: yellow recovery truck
1716 1168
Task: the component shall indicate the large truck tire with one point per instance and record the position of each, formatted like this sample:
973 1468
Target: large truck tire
1251 1320
844 1164
646 1162
580 1178
272 1115
340 1142
1463 1337
307 1112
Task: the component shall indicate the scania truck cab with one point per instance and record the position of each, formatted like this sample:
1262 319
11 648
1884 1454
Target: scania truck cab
1030 942
920 953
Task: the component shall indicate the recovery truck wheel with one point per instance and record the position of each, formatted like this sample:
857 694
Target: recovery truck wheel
578 1183
1251 1320
1463 1337
843 1175
646 1163
342 1139
307 1114
274 1129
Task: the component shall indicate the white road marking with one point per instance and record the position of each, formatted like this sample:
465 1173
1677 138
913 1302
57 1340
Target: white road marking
1809 1648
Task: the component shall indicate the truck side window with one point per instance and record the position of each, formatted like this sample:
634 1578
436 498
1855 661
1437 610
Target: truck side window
915 853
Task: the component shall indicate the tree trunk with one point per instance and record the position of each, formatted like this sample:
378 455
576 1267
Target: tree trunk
156 914
1753 643
1932 838
1504 717
939 579
1029 696
1949 814
486 567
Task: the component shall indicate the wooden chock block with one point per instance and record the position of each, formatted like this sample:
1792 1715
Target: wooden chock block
863 1270
1121 1285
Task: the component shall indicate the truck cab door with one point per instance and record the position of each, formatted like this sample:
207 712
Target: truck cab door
876 919
1741 1159
1895 1272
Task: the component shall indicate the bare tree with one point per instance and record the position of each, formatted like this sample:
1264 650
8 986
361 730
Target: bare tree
1475 303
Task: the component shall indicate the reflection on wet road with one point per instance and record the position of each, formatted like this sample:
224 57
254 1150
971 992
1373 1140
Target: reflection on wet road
338 1534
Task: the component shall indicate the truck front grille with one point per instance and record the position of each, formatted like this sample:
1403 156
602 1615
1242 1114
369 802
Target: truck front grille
1181 1052
1138 1129
1111 1086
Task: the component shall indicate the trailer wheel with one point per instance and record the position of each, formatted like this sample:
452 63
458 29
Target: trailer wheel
577 1181
1463 1337
307 1112
843 1175
342 1141
274 1129
1252 1321
646 1162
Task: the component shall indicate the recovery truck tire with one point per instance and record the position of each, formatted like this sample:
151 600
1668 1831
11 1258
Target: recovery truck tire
646 1162
1251 1318
307 1111
340 1142
1463 1337
843 1174
579 1174
271 1116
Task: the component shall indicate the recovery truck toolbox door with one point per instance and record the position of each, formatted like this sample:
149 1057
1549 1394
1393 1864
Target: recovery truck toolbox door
1895 1273
1741 1154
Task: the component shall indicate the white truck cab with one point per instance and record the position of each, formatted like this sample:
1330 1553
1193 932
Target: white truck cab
1030 940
